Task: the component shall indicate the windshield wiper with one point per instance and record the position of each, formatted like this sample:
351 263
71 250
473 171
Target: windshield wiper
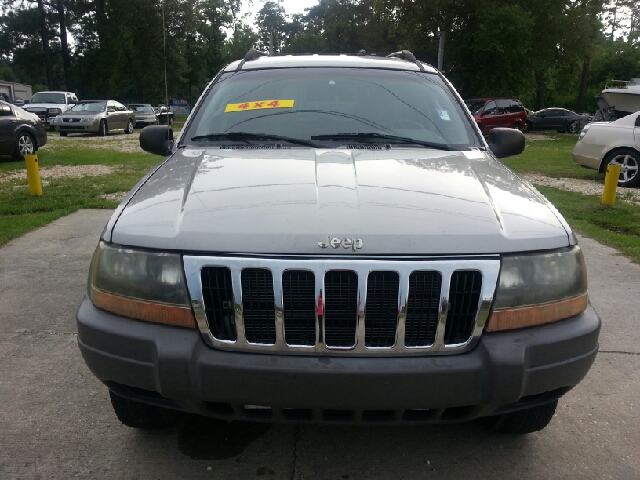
244 136
382 136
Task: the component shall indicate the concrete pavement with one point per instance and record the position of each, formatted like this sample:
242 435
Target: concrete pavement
56 420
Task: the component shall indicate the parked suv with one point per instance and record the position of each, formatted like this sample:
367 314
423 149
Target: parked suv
490 113
331 239
48 105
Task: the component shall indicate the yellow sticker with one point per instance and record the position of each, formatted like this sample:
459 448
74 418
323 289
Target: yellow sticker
259 105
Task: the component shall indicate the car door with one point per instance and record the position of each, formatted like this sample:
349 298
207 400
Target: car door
490 116
555 119
123 114
636 132
113 120
504 118
7 127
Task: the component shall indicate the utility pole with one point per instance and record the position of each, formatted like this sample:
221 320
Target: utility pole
441 49
164 46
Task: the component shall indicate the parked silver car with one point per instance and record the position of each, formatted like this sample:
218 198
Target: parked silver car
331 239
145 114
95 116
618 142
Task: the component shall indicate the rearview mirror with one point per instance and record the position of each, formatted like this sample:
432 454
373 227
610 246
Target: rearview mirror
506 142
157 139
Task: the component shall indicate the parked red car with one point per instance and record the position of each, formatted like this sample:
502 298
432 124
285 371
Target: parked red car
497 112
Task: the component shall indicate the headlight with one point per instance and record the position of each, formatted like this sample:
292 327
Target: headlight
140 284
55 111
584 132
87 120
537 289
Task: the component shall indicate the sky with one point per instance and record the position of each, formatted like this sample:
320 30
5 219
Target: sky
290 7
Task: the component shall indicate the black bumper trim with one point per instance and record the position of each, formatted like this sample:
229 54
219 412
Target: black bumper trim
502 370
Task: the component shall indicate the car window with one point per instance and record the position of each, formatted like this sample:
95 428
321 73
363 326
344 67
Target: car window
88 107
491 108
555 112
306 103
119 107
142 108
48 97
475 106
5 111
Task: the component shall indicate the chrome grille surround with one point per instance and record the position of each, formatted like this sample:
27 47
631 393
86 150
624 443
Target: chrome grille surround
488 265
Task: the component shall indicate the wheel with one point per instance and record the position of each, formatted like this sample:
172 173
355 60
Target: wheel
629 161
24 145
129 129
574 127
102 130
526 421
528 126
63 134
170 121
518 126
141 415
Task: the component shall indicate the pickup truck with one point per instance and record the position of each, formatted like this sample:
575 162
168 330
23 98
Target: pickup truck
48 105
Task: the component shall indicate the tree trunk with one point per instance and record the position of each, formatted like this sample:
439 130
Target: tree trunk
541 86
45 44
584 84
63 43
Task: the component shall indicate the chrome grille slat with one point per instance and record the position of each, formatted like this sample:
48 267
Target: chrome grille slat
271 335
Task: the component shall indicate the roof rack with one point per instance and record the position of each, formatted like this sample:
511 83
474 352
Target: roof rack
407 55
251 55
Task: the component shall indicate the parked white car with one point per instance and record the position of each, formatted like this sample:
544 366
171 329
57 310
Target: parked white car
618 142
48 105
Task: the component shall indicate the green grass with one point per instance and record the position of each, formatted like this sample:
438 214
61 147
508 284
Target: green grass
617 226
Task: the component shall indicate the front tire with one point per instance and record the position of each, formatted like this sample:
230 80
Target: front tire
102 130
170 121
528 126
574 127
25 145
129 129
629 161
530 420
141 415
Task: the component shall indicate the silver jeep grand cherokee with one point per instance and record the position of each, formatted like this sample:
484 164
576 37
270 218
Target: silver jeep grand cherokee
331 239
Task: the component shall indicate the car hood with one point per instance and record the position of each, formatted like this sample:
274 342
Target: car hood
69 113
284 201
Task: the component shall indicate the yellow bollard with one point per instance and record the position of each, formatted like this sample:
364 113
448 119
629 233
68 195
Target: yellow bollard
610 184
33 174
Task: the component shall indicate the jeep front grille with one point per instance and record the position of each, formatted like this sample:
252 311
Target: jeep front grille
341 306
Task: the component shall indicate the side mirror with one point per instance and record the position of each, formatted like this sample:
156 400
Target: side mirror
158 139
504 142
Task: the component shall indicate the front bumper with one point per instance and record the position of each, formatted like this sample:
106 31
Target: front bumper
172 367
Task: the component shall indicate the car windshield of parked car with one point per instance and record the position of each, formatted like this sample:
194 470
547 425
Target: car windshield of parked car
48 97
89 107
142 109
307 104
475 106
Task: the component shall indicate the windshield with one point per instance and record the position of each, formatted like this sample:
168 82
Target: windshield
142 108
475 106
89 107
327 103
47 97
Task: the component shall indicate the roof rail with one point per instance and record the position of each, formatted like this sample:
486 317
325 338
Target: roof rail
251 55
407 55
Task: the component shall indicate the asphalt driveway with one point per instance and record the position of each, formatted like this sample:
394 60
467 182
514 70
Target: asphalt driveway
56 419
